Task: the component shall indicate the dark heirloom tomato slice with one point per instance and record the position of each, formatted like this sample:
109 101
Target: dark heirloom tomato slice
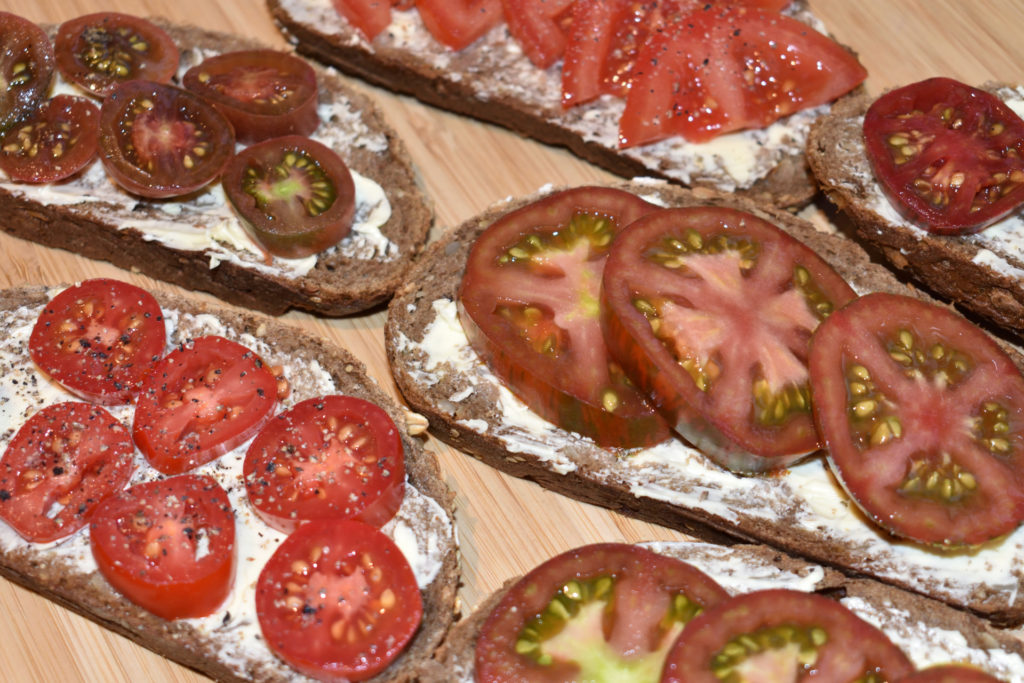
923 417
710 311
951 157
457 23
338 601
53 142
540 27
162 141
26 67
294 195
203 399
168 545
99 339
62 462
783 635
950 673
529 306
333 457
601 612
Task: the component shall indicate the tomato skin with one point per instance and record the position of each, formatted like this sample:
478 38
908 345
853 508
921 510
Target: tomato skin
39 149
457 23
950 673
26 67
540 26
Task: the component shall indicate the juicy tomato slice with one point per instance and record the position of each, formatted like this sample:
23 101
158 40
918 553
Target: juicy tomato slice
601 612
26 67
529 305
540 27
55 141
99 51
203 399
950 673
62 462
162 141
710 311
168 545
369 16
332 457
457 23
951 157
338 600
295 196
783 635
923 417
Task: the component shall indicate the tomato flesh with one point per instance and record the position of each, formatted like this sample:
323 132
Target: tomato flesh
370 17
54 142
457 23
950 673
540 26
26 67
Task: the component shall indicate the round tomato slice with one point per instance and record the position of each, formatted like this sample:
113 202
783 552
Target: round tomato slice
99 339
457 23
62 462
338 600
99 51
710 311
601 612
783 635
202 400
168 545
923 417
529 306
333 457
162 141
951 157
295 196
55 141
26 67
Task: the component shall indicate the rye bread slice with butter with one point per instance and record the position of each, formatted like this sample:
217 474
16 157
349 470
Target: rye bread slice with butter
227 646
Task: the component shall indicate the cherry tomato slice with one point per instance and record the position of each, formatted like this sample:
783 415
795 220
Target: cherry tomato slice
601 612
168 545
203 399
60 464
540 27
55 141
923 417
101 50
332 457
457 23
26 67
338 600
529 305
950 673
710 311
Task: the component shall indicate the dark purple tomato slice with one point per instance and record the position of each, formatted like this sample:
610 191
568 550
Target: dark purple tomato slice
53 142
26 67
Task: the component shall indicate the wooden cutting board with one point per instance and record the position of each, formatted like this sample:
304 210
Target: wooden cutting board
502 533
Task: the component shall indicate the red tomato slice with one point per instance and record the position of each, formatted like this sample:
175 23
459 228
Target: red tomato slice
369 16
338 600
710 311
60 464
540 26
99 339
529 305
923 417
601 612
168 545
55 141
950 673
26 67
457 23
202 400
333 457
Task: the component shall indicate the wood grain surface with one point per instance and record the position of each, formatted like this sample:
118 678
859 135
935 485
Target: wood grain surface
506 525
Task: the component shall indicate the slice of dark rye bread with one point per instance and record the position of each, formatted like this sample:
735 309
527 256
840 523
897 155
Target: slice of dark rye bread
802 511
227 646
90 216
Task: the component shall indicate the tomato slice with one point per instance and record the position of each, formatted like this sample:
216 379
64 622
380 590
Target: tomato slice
168 545
369 16
950 673
783 635
55 141
332 457
923 417
162 141
26 67
295 196
60 464
338 600
601 612
529 305
540 27
457 23
203 399
101 50
710 311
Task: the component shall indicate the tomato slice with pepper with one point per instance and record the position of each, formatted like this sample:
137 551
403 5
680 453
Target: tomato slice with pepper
26 67
53 142
923 417
529 306
540 27
338 600
710 311
457 23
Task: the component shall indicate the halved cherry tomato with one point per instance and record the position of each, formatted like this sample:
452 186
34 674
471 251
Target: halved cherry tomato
332 457
338 600
26 67
168 545
540 27
457 23
710 311
162 141
529 305
950 673
101 50
783 635
369 16
202 400
601 612
923 417
951 157
294 195
55 141
60 464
